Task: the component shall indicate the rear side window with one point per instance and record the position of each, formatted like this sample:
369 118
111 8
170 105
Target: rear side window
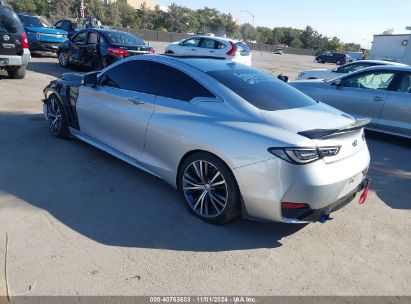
175 84
242 48
262 90
405 85
154 78
9 22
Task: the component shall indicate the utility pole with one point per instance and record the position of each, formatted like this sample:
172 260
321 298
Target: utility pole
245 11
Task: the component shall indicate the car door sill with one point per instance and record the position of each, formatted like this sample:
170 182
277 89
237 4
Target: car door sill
99 145
388 132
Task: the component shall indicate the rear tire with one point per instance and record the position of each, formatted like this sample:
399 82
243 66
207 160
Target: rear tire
18 73
209 188
339 62
56 117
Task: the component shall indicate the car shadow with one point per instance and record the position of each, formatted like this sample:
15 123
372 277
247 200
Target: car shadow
108 200
51 68
390 169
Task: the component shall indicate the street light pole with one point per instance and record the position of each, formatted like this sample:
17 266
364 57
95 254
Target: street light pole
245 11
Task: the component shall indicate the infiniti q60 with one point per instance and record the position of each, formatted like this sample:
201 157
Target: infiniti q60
232 139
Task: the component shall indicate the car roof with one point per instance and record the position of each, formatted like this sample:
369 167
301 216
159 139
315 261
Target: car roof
204 63
382 62
395 68
213 37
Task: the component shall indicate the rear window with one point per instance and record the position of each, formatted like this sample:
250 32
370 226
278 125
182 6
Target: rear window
9 23
242 48
123 38
262 90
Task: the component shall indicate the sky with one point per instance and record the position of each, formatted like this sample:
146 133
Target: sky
350 20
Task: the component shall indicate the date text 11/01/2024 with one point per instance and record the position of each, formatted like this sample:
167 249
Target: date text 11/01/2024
203 299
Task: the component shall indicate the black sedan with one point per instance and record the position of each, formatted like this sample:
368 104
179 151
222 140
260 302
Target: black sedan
97 48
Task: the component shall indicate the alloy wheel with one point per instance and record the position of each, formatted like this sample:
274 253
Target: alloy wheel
205 189
62 58
54 116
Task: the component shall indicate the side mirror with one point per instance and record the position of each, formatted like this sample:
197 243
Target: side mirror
283 78
337 83
90 79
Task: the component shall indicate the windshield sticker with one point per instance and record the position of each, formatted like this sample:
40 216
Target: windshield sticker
253 78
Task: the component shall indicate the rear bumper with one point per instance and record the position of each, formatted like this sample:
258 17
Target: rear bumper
18 60
316 215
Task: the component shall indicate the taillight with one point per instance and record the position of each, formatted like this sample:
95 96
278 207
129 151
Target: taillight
24 41
233 49
151 52
117 52
304 155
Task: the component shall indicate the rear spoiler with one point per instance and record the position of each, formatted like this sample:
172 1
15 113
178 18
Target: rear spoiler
329 133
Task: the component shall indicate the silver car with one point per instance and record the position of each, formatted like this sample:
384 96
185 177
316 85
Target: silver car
382 93
232 139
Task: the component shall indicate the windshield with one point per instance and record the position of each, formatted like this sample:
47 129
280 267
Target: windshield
123 38
261 89
9 23
34 21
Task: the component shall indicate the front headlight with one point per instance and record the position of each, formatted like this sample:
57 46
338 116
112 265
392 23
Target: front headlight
301 156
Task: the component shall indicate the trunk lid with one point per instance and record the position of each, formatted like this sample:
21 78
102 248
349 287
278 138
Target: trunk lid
135 49
324 125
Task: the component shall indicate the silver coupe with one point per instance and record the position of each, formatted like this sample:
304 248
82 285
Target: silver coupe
232 139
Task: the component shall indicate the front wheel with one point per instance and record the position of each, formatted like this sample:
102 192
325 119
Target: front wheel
320 60
339 62
55 117
63 59
209 188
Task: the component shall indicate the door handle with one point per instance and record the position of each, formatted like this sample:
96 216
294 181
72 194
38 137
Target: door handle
211 51
194 50
136 100
378 99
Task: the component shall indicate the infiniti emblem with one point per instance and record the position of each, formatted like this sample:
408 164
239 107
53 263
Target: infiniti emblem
354 143
6 37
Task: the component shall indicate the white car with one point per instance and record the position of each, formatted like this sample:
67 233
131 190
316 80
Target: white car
208 46
342 70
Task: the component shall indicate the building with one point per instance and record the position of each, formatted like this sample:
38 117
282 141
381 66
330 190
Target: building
136 3
391 47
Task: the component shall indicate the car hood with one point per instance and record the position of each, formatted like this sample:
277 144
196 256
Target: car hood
45 30
309 83
316 117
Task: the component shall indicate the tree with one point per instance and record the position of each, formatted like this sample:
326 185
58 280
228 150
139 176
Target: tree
335 44
265 35
249 32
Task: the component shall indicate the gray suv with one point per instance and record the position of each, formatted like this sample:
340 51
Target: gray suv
14 48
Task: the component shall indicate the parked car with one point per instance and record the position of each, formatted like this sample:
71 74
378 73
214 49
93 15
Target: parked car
213 47
356 55
342 70
40 35
98 48
381 92
70 26
232 139
278 51
333 57
14 52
